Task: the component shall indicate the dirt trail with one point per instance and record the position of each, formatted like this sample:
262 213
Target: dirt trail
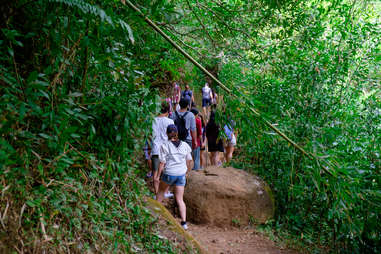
229 240
235 241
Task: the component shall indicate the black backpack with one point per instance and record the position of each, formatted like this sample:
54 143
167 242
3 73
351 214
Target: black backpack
187 94
180 124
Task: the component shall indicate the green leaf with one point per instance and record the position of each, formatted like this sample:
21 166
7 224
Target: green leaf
93 129
74 135
45 136
125 26
30 203
10 52
75 94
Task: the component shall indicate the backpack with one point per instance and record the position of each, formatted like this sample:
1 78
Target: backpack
180 124
187 94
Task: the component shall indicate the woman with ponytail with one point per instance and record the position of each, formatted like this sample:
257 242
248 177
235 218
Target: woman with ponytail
176 161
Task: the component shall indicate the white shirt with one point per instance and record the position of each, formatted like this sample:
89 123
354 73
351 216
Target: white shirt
175 158
206 92
159 134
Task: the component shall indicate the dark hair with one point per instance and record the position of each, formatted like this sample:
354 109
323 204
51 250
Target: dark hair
194 111
212 125
212 116
184 103
212 120
172 134
164 107
202 120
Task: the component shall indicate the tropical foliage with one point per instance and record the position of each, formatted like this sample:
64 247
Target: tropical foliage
79 82
74 109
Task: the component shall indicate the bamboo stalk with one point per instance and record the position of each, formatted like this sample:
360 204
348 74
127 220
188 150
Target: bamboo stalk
225 88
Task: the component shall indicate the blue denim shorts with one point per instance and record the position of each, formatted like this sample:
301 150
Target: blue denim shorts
174 180
206 102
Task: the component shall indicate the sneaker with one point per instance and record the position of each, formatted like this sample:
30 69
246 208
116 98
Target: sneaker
168 194
149 174
184 225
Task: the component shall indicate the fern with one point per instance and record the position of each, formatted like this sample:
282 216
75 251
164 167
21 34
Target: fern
98 12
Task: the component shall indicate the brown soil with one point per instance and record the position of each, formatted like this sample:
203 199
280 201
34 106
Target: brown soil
235 241
229 240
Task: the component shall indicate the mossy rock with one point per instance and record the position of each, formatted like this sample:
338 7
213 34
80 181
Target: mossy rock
159 211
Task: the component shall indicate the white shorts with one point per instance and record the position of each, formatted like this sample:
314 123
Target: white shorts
232 141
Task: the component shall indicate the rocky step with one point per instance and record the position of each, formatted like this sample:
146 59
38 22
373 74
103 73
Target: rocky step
227 197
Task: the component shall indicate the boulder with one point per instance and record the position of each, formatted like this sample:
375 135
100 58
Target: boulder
227 196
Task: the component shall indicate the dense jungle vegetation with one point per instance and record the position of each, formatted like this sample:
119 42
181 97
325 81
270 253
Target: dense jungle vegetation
79 82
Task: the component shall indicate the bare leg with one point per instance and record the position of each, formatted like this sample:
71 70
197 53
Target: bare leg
179 194
218 158
229 153
156 181
214 160
163 188
149 163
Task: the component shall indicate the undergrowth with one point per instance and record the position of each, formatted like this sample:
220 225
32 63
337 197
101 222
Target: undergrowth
73 107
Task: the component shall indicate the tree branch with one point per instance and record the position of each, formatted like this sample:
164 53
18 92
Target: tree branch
202 24
186 45
184 34
231 29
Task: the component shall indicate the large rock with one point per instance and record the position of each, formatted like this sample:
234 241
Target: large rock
227 196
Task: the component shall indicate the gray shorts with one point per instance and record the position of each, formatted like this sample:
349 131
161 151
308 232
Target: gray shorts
155 162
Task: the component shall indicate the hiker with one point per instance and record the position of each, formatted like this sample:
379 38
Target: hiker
207 97
231 140
196 150
188 94
185 123
176 161
176 93
169 101
214 97
215 144
203 142
159 136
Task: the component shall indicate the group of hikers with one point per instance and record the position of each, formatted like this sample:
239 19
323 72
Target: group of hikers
181 140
